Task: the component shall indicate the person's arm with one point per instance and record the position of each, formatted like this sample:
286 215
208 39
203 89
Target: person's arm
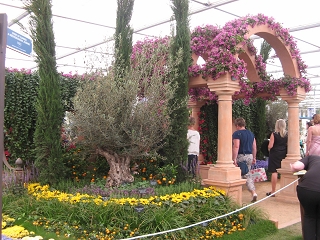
271 142
254 151
297 166
309 136
235 150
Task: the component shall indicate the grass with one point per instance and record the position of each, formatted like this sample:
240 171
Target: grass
292 232
266 230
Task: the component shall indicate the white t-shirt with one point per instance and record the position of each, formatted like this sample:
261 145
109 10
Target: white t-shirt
194 140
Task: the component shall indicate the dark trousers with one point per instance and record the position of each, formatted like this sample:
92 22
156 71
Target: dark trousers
192 164
310 202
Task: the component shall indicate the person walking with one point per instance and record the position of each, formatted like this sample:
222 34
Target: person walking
308 191
194 147
313 137
244 149
277 151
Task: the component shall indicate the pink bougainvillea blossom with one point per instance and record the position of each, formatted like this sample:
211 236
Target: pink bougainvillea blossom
221 47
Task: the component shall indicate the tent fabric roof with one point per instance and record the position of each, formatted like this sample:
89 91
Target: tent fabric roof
84 29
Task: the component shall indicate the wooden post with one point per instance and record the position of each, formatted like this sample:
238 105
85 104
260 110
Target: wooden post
3 46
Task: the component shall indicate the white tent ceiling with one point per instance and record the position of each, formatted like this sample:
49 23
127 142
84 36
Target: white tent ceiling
84 29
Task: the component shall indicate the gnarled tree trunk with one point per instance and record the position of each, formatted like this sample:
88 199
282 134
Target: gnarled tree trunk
119 169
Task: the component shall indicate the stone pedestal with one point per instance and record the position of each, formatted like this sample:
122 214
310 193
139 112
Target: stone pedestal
289 193
203 171
228 180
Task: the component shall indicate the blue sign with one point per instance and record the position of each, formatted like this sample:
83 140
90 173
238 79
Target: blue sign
18 42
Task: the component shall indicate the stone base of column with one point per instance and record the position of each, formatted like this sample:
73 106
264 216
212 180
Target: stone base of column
289 194
228 180
203 171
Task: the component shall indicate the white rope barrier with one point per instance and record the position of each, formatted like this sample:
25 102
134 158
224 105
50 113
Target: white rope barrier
212 219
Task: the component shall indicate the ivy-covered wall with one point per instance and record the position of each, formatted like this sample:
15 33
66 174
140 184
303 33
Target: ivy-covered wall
255 117
21 89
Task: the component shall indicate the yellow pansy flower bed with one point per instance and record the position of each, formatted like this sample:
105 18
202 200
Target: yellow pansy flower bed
44 192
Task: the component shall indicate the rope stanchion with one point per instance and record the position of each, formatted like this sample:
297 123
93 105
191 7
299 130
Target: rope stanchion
209 220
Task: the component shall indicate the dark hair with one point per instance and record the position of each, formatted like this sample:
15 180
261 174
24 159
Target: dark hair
309 124
240 122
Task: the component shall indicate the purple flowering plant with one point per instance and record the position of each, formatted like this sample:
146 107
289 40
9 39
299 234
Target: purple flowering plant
220 48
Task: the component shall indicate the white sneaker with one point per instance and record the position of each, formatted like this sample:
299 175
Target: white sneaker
255 197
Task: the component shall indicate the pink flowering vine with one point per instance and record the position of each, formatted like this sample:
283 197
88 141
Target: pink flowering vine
220 46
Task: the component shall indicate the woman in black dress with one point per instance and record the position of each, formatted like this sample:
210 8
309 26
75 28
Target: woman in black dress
278 151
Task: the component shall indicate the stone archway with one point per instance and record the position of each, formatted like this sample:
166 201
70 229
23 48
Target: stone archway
224 174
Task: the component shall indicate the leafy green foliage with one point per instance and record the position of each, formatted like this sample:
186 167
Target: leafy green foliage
83 166
212 119
239 109
20 114
21 92
259 127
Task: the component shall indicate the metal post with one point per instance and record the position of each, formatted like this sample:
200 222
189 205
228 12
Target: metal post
314 100
3 46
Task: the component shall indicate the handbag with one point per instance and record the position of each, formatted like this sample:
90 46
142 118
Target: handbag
258 174
244 167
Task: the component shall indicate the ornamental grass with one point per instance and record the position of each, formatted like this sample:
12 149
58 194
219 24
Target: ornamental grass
43 209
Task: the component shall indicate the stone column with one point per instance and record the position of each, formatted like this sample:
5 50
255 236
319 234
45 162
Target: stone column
195 107
293 153
224 174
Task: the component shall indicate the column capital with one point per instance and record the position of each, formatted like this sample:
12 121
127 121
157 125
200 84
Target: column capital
196 104
224 85
297 98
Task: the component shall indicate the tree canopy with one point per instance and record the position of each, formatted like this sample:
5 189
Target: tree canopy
131 119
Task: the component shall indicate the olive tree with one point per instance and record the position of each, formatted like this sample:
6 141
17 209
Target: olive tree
128 120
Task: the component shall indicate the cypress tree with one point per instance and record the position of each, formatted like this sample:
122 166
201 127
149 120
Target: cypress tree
123 37
260 106
176 148
49 104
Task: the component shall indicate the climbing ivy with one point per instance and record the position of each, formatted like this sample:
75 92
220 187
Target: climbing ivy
239 109
259 126
208 129
19 113
21 91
